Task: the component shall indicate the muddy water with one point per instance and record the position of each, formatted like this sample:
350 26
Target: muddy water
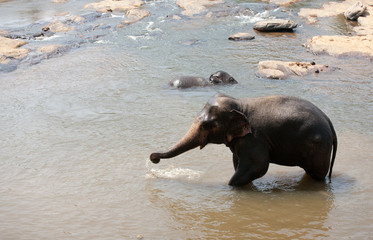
77 130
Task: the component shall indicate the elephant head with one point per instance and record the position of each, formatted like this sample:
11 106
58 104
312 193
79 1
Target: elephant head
219 122
221 77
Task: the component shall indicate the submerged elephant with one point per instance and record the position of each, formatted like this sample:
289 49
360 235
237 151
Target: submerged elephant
218 78
277 129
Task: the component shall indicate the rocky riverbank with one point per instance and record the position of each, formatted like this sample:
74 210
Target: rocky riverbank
30 44
359 43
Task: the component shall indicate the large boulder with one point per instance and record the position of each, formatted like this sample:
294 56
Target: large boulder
275 25
342 45
282 70
355 11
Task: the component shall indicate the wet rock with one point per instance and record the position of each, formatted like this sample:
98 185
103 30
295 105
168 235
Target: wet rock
329 9
7 67
74 19
282 70
241 36
136 14
229 11
342 45
111 5
90 17
30 32
10 49
50 49
58 26
275 25
193 7
355 11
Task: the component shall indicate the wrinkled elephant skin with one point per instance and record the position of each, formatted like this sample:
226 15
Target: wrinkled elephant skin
277 129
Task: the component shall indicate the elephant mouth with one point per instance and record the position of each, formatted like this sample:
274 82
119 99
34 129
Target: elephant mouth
202 145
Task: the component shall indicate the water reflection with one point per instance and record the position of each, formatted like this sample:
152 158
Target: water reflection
277 207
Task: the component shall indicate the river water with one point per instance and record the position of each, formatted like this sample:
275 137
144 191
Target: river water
77 130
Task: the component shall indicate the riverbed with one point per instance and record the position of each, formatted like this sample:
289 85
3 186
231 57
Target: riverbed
77 129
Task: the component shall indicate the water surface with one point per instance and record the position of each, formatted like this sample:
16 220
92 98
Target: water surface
77 131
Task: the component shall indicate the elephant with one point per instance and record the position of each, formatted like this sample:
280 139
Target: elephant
217 78
283 130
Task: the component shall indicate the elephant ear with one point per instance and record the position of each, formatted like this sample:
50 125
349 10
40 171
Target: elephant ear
238 126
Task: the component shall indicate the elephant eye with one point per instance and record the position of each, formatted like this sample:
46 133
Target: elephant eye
208 125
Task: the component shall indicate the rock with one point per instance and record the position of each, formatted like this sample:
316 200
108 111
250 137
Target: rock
193 7
136 14
271 73
275 25
329 9
10 49
50 49
365 26
241 36
58 26
75 19
282 70
355 11
342 45
112 5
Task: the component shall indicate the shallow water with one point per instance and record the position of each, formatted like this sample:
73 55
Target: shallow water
77 131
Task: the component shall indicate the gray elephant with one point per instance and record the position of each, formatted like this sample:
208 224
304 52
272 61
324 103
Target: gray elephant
217 78
277 129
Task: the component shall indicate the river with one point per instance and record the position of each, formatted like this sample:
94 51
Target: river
77 130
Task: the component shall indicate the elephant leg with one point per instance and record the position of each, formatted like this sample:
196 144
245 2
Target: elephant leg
316 163
252 162
235 162
317 166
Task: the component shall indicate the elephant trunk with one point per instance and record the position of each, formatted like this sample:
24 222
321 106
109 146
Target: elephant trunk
191 139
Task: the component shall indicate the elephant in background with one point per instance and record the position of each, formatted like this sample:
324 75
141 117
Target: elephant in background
277 129
217 78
